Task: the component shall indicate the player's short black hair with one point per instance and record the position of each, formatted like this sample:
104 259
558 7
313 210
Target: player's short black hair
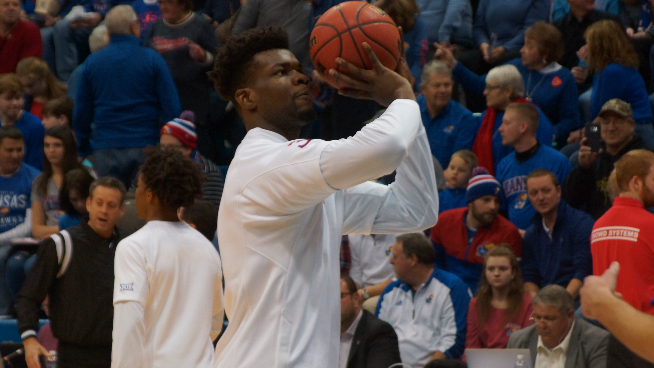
204 215
174 178
235 58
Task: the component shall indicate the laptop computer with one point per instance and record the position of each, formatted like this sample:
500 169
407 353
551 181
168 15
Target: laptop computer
497 358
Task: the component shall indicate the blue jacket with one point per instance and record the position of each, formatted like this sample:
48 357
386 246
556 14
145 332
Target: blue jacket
448 20
567 256
453 129
127 92
451 199
625 83
555 93
508 20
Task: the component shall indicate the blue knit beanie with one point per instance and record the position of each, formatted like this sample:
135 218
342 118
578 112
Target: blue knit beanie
481 184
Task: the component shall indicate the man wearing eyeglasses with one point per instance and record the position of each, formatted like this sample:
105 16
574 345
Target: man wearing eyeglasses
558 339
586 186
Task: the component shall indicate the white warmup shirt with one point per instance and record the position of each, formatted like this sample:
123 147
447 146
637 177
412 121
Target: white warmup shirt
280 224
168 303
370 257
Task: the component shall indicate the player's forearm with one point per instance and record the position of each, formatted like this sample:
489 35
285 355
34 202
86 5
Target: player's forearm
128 335
375 151
632 327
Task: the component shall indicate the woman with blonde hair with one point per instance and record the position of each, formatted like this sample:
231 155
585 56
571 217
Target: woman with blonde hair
501 305
40 84
612 59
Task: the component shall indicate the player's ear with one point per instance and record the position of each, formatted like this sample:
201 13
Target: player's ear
246 98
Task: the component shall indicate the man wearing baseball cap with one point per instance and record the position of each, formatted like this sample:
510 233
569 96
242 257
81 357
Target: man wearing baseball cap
180 134
585 187
462 236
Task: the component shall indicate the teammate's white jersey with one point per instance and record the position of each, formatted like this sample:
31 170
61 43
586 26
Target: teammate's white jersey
371 258
170 274
280 225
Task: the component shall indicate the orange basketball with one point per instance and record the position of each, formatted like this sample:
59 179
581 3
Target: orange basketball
341 32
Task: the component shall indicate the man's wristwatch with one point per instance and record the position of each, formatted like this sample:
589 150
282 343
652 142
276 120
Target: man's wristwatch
365 294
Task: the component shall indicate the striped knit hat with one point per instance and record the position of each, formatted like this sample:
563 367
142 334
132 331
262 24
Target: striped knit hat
182 129
481 184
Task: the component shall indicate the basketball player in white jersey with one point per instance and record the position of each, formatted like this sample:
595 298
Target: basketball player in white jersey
287 200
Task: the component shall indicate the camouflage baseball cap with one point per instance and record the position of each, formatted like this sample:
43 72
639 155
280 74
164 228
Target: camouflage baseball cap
617 106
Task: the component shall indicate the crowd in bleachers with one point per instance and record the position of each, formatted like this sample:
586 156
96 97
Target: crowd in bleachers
527 105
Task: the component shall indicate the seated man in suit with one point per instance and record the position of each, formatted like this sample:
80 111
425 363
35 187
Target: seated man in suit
558 339
366 341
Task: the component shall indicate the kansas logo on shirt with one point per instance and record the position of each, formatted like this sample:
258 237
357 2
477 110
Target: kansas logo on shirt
4 211
484 248
388 251
448 129
520 201
127 287
556 81
429 299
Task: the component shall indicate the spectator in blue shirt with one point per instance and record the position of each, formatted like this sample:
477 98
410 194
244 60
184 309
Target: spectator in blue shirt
450 127
126 91
16 180
556 247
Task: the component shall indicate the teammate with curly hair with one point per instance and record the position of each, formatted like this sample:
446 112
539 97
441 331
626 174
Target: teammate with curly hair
288 200
168 305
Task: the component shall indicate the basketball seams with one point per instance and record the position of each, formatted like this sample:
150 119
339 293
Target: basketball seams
339 33
349 30
360 26
375 41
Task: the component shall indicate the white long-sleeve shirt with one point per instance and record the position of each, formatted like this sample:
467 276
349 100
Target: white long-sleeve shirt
285 207
168 300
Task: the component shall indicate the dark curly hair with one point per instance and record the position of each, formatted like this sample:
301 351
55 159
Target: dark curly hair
174 178
235 58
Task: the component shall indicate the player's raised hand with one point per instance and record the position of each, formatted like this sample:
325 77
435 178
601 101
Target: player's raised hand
379 83
445 55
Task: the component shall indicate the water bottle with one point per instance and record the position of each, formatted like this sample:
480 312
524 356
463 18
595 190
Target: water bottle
520 361
51 362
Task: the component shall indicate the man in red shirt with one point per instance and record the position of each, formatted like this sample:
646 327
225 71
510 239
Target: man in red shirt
625 232
18 39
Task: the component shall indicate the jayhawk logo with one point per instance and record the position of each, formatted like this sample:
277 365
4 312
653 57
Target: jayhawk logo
388 251
556 81
448 129
520 202
429 299
484 248
4 211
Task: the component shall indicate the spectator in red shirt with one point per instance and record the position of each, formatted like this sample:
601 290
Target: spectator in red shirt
501 307
625 234
18 39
